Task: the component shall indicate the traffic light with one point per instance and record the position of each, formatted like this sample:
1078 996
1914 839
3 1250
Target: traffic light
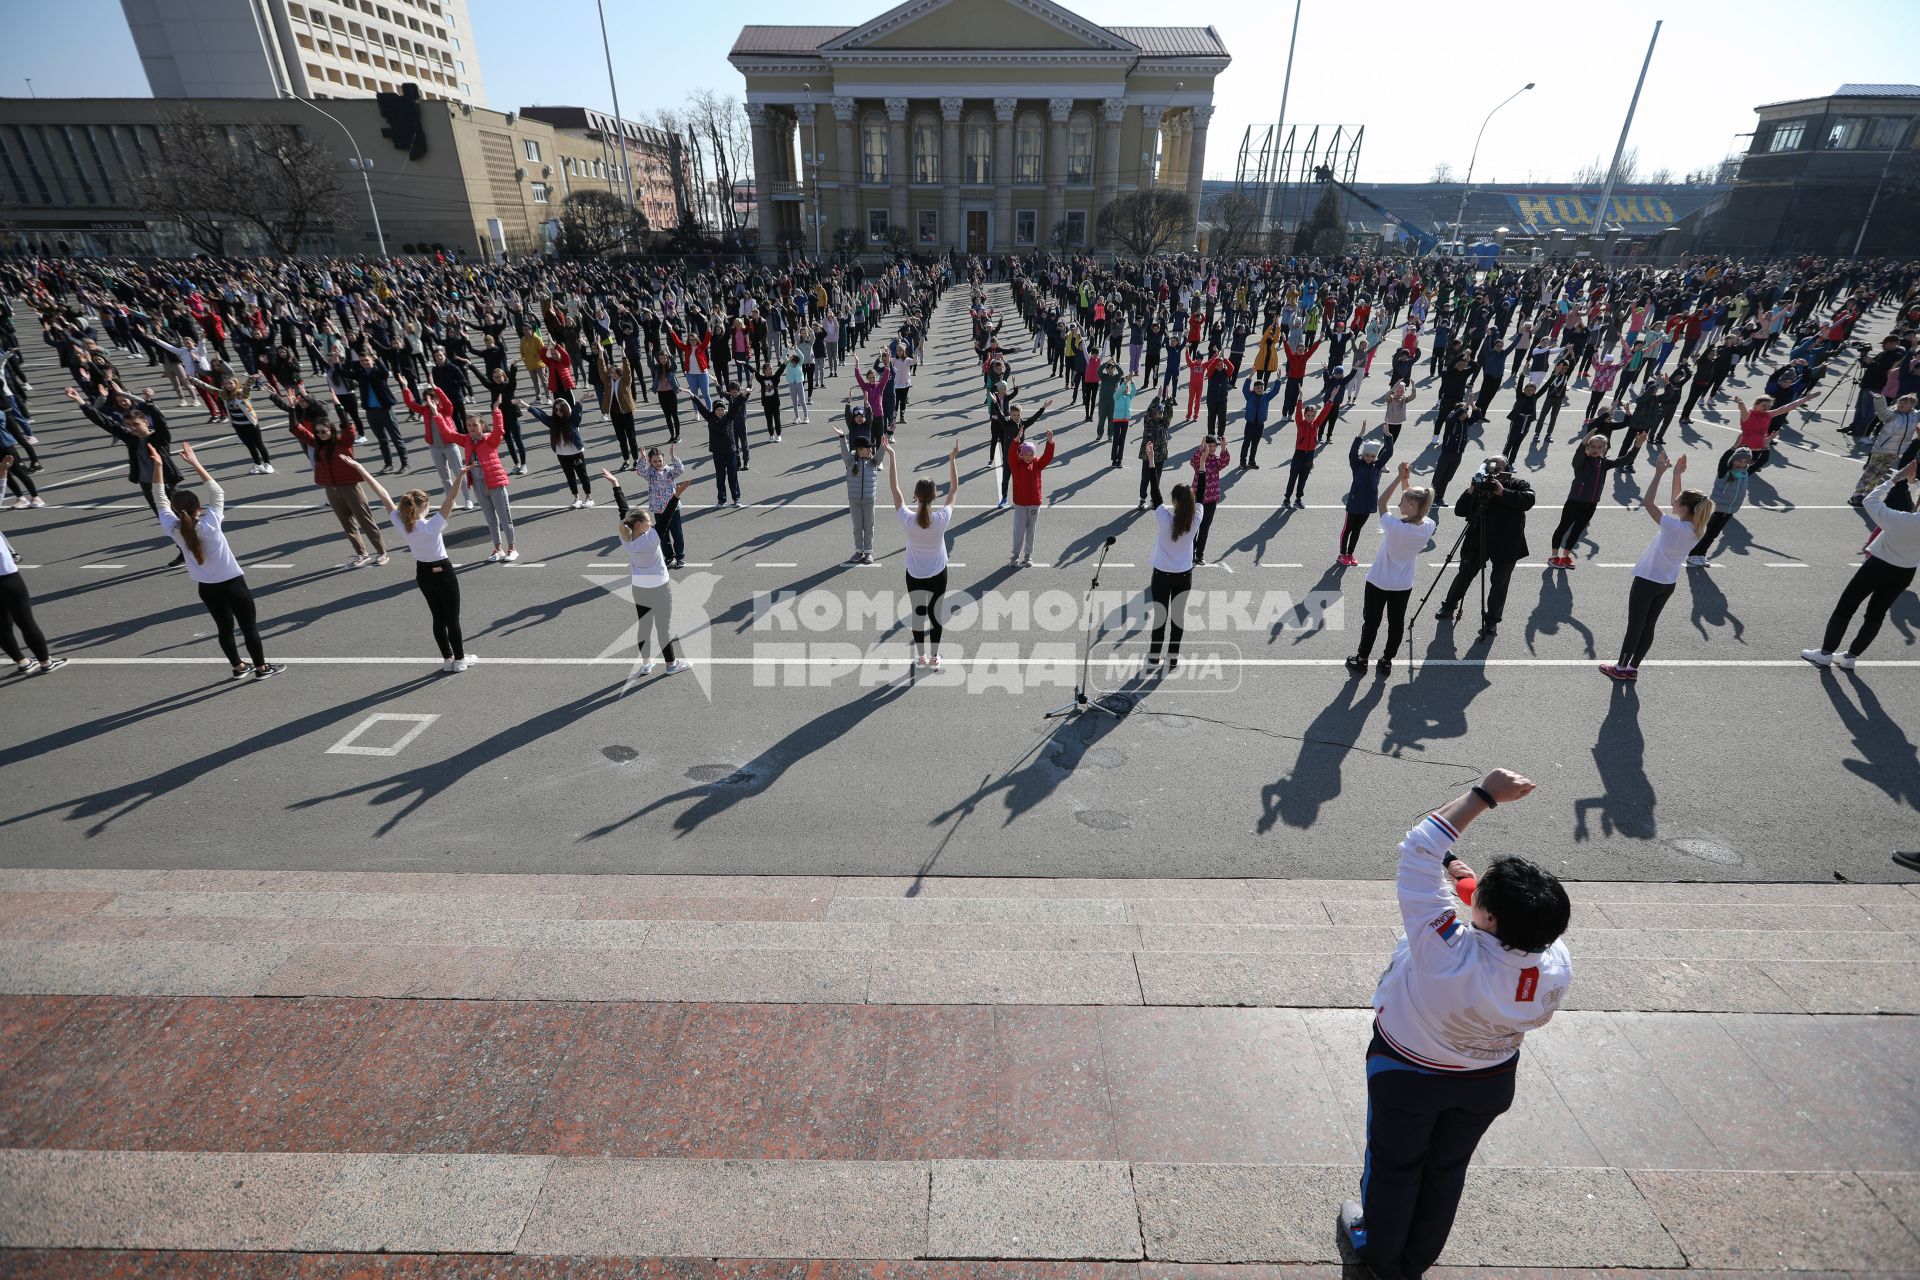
401 111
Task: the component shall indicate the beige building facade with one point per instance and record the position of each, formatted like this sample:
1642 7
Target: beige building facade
488 181
977 125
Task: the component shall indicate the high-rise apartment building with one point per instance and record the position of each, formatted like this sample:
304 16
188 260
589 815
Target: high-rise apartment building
306 48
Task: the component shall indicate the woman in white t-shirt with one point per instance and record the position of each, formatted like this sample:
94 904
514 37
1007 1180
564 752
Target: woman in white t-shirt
1659 568
211 564
1172 574
652 589
1390 579
432 568
926 559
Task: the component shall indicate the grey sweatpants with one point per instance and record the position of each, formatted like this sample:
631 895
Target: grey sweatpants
448 461
1025 520
498 513
860 507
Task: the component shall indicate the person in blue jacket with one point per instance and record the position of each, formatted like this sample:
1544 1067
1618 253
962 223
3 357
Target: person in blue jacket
1259 395
1367 459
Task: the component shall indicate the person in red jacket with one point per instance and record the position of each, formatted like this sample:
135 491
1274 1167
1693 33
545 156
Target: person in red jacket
1027 464
481 448
334 470
559 368
1297 358
435 410
1306 440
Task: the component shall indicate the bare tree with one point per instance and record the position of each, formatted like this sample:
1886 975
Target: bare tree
1591 174
1145 222
291 184
720 124
1661 177
183 182
594 222
1442 172
1234 215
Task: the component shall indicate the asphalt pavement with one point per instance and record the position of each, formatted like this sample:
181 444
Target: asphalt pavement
802 743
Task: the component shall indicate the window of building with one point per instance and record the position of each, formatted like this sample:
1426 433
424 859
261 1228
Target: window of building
1026 148
533 149
873 148
1080 149
460 65
353 81
540 192
877 225
1844 134
929 226
333 74
466 89
1884 132
1076 226
1787 135
979 152
353 29
363 56
313 72
297 11
1025 224
304 40
926 148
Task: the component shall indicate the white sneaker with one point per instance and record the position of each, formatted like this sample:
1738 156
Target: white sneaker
36 501
646 668
678 665
267 467
1817 658
19 504
446 668
586 502
472 659
471 504
513 554
576 504
1844 661
495 558
254 470
461 664
358 561
1696 562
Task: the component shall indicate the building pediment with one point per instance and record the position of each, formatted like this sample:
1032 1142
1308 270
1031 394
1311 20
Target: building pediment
958 25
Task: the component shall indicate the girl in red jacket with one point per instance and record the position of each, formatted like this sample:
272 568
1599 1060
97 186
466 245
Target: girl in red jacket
1197 380
435 410
482 449
1027 464
559 368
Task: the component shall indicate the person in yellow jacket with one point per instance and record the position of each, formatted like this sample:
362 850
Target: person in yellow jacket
1266 357
533 358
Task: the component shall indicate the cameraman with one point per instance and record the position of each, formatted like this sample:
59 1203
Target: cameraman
1449 1015
1495 508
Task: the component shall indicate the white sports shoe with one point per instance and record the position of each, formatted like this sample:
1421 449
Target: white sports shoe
678 665
512 555
1816 657
446 668
1844 661
586 502
267 467
646 668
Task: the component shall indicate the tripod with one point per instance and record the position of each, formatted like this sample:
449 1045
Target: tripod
1081 702
1476 523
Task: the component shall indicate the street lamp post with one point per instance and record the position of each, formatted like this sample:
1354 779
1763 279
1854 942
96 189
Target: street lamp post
360 162
1461 212
814 157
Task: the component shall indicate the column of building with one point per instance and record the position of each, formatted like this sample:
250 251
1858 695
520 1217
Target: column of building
1199 117
899 163
1058 111
846 164
1150 118
951 234
1004 110
1113 112
757 123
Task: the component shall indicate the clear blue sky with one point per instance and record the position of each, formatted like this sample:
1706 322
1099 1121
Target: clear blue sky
1416 73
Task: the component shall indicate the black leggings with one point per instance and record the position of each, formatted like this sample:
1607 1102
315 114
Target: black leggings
662 619
925 594
441 587
16 610
1169 593
1644 602
255 445
1297 472
18 479
1200 534
1877 583
574 467
1715 523
1350 533
623 435
670 410
231 604
1375 601
1574 517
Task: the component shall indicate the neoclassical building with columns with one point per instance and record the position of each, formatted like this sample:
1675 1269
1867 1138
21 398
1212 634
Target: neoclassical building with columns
978 125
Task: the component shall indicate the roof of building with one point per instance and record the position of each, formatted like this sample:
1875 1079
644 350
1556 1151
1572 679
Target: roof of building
1154 42
1174 42
1878 91
787 41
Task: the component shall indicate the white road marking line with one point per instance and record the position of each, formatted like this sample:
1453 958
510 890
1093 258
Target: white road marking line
29 566
269 566
103 566
91 475
1273 564
1268 507
436 661
521 564
346 747
1787 564
775 564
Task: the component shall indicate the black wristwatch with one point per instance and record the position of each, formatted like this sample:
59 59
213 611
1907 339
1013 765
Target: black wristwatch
1486 796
